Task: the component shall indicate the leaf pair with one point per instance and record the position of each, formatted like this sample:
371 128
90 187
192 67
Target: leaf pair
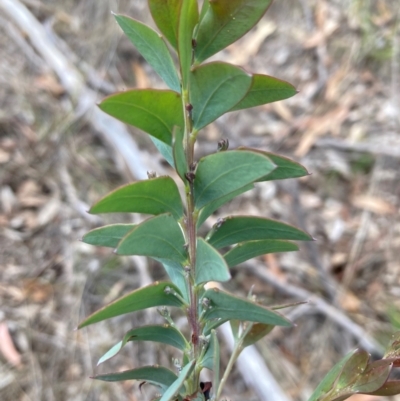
236 172
355 374
168 382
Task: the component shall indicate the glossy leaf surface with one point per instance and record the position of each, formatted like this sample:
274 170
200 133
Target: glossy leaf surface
235 229
161 334
188 19
176 386
265 89
142 298
165 150
210 265
153 48
153 111
286 168
227 306
109 236
211 207
214 89
156 375
154 196
224 22
165 14
250 249
220 174
157 237
175 272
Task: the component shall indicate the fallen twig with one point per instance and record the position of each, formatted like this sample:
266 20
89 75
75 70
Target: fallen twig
364 339
111 130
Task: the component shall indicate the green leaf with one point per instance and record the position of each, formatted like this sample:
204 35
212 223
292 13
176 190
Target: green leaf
156 294
161 334
165 150
210 265
176 386
176 274
109 236
224 22
179 153
153 48
390 388
153 111
227 306
158 237
211 207
214 89
211 359
373 378
250 249
286 168
154 196
257 332
220 174
235 229
265 89
329 380
188 19
165 14
352 369
393 349
156 375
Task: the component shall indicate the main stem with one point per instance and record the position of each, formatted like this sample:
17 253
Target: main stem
191 231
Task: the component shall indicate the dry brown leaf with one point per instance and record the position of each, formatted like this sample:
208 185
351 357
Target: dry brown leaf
49 83
29 194
37 291
141 78
4 156
373 204
314 127
7 348
250 46
349 302
48 212
273 266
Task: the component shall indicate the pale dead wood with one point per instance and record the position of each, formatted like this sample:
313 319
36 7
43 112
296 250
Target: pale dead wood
255 373
111 130
337 316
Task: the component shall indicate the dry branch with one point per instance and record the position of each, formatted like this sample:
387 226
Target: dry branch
113 132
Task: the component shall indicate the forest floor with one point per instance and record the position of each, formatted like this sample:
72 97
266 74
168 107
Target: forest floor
58 156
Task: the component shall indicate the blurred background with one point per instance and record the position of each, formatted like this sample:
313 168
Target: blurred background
59 154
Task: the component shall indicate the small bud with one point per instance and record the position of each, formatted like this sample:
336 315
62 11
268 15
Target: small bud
151 174
190 176
223 144
219 223
189 107
205 302
203 341
177 363
164 312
